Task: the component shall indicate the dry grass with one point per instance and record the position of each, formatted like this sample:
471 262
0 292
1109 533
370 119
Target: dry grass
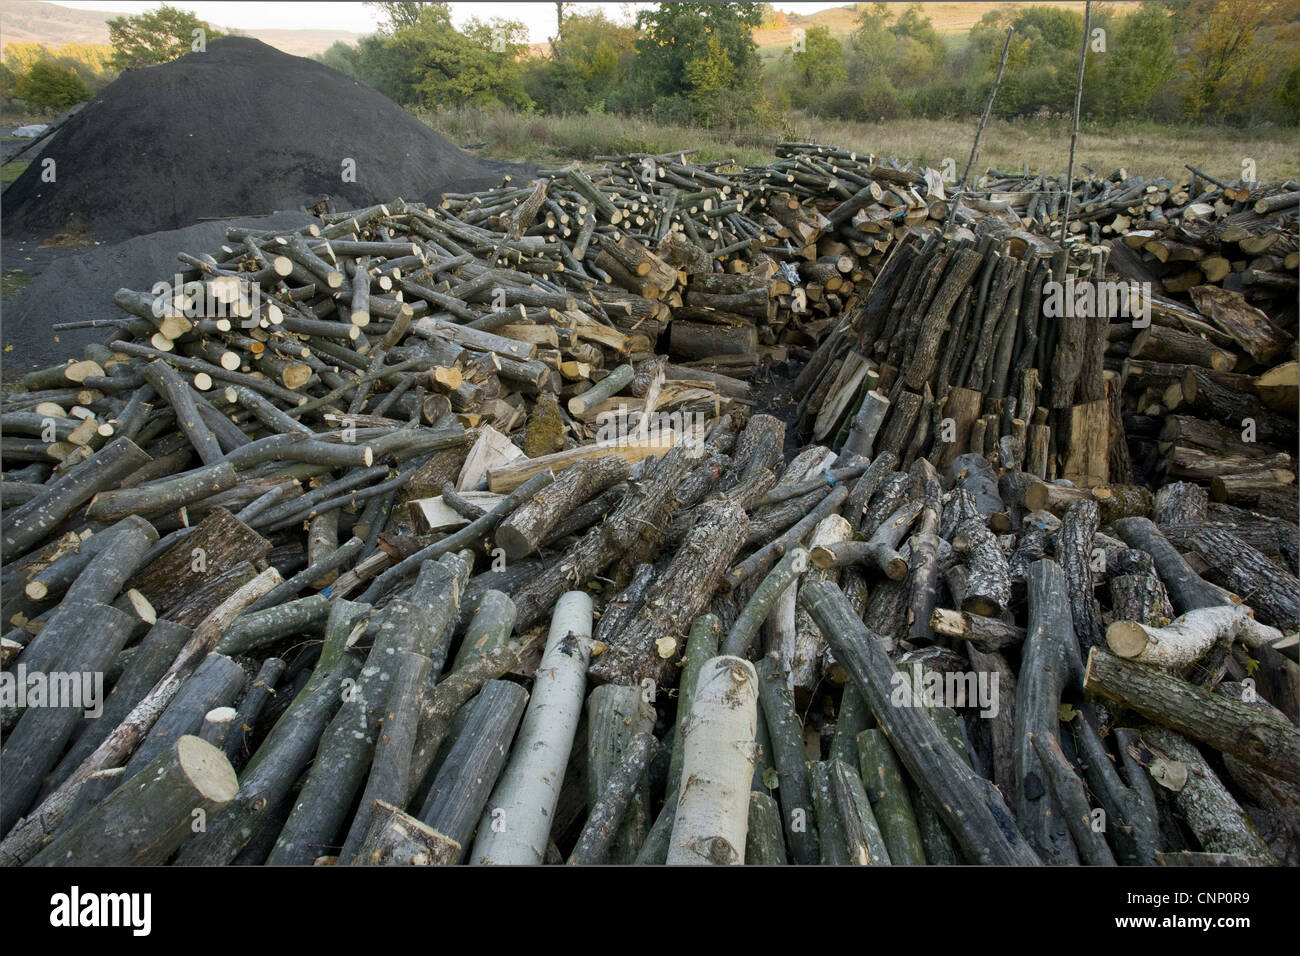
557 139
1144 149
1044 146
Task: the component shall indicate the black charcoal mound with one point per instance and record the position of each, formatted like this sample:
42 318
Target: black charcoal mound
238 130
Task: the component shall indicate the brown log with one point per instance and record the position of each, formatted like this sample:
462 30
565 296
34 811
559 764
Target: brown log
521 533
1271 744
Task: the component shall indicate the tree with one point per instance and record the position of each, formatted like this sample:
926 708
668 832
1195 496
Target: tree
50 87
872 40
914 25
340 57
591 60
1223 52
156 36
710 73
402 13
675 35
436 63
1140 62
821 62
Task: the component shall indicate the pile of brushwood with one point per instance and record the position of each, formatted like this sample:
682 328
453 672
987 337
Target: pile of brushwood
430 535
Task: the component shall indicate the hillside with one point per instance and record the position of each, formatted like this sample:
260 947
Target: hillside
948 18
22 21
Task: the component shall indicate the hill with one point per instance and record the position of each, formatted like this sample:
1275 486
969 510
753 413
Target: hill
265 143
23 21
948 18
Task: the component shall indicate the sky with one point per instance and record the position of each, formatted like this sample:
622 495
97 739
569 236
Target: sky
359 18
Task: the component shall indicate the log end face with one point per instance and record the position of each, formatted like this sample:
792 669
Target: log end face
512 542
822 557
981 604
947 622
1128 639
1036 496
207 769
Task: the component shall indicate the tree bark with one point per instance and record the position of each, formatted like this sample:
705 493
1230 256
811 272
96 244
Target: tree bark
969 805
712 815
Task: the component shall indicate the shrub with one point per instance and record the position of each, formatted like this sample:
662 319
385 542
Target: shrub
49 87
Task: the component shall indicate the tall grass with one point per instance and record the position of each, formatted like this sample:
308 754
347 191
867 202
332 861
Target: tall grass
1144 149
584 136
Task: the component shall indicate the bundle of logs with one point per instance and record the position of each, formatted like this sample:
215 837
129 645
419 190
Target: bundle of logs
1199 222
999 343
350 570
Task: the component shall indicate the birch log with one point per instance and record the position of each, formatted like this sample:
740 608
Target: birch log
718 763
517 822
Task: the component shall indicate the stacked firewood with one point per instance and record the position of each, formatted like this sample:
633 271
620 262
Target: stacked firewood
370 582
1119 203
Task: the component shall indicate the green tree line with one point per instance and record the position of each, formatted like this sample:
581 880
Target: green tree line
41 79
1205 60
1218 61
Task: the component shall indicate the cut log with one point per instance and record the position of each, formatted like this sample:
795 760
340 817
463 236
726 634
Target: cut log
526 794
1272 745
712 814
970 806
144 822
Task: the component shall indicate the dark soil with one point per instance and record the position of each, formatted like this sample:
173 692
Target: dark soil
239 130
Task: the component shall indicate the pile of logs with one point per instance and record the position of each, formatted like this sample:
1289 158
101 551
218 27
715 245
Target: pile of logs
336 523
964 345
1198 209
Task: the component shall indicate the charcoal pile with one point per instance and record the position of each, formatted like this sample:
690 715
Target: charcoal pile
238 129
423 535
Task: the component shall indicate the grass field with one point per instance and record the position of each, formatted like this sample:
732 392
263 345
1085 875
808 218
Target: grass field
12 171
1144 149
13 282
